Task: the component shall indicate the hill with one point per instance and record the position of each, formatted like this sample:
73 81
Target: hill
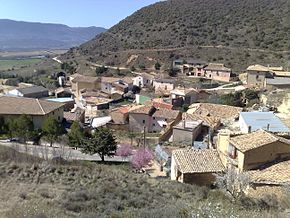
31 187
236 32
18 35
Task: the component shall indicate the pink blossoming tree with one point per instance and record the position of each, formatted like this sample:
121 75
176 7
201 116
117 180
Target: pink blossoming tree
142 158
124 151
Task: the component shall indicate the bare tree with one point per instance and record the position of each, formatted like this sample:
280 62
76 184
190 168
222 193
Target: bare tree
236 183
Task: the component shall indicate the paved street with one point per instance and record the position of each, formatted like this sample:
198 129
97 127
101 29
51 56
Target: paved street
67 153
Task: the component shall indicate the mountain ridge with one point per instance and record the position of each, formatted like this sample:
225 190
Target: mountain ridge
22 35
191 25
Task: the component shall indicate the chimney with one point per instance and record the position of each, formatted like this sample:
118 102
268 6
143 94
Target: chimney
183 123
249 129
268 127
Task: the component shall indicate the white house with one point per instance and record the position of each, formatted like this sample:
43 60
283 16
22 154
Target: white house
138 81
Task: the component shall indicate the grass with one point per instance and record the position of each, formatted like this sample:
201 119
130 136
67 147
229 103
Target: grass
13 64
41 189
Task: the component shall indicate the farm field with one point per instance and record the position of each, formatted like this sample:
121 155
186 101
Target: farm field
13 64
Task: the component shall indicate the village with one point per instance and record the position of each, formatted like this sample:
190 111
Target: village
201 126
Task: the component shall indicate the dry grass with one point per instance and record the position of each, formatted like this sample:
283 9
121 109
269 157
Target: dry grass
91 190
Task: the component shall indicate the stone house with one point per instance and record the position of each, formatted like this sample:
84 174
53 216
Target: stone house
38 110
186 132
120 115
163 86
80 82
252 151
112 85
151 118
257 74
182 96
217 72
195 166
147 79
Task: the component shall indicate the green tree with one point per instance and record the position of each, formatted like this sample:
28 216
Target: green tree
133 68
157 66
102 142
11 127
24 127
75 135
51 130
101 70
2 125
172 72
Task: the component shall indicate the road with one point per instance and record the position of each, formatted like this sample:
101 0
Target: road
66 153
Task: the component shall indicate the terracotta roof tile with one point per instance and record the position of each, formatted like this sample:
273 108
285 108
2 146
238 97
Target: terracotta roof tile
215 110
212 122
29 106
278 173
85 79
197 161
255 140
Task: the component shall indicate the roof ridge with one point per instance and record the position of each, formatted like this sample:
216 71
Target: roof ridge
37 100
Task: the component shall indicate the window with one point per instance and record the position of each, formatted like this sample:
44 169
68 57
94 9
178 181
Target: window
154 118
232 151
143 121
257 76
165 119
154 124
58 118
53 113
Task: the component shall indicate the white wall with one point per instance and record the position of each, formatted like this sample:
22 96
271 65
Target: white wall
243 126
15 92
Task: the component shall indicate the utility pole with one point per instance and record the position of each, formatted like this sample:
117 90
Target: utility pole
144 142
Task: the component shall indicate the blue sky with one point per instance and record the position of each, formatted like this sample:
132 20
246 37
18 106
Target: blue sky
74 13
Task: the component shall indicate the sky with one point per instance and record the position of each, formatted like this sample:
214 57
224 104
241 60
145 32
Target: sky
74 13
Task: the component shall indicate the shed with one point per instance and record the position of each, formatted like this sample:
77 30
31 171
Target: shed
195 166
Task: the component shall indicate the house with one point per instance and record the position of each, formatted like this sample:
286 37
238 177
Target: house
188 65
163 86
195 166
223 112
208 126
257 74
63 92
120 115
182 96
80 82
39 110
151 119
279 71
77 115
147 79
138 81
253 150
217 72
29 92
112 85
95 103
186 132
252 121
159 103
